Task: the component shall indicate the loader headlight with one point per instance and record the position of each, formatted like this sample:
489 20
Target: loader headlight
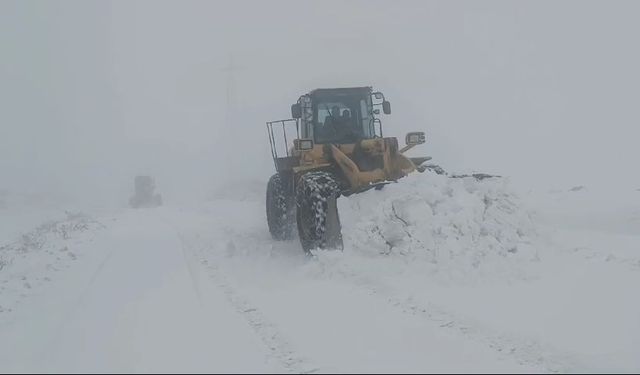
415 138
303 144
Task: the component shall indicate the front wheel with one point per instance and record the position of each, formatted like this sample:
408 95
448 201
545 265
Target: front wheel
279 210
317 213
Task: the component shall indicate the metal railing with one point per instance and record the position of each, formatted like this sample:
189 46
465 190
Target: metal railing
281 126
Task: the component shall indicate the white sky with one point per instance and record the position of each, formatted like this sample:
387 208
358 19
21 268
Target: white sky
94 92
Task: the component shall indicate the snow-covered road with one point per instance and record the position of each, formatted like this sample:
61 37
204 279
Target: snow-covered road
436 276
135 303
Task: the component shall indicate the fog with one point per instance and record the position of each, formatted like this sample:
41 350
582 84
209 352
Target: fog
94 92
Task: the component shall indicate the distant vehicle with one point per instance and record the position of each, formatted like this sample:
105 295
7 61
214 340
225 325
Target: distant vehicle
144 193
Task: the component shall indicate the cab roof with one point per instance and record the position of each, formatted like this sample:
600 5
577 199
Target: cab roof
342 91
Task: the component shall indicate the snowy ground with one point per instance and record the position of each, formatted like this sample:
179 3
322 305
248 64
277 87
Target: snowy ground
437 275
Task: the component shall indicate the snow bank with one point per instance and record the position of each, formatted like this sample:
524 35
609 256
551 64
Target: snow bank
31 260
453 227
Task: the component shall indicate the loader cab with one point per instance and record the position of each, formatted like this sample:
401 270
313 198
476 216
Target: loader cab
340 116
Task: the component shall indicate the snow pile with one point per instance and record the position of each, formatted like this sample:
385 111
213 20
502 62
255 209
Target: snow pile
452 226
31 260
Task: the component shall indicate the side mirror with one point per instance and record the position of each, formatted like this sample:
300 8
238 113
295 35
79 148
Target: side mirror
303 144
415 138
296 111
386 107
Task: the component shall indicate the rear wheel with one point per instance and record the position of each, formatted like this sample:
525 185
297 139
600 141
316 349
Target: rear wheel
279 210
317 213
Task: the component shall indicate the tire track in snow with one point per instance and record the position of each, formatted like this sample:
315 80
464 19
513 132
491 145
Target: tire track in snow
79 301
525 350
269 334
190 268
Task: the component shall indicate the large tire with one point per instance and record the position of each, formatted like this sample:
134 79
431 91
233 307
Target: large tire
316 214
279 210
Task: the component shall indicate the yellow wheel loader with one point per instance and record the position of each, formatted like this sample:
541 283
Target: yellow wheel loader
332 146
